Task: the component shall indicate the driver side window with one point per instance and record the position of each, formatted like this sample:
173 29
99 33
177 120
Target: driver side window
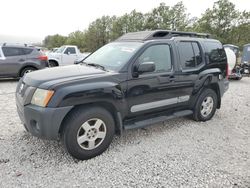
159 54
70 50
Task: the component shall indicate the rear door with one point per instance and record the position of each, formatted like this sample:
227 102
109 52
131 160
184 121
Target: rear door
14 58
69 56
191 62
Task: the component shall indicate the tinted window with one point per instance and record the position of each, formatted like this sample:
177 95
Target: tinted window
70 50
190 54
160 55
12 51
27 51
197 53
215 52
186 55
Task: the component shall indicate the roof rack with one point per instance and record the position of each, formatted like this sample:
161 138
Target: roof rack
160 34
14 44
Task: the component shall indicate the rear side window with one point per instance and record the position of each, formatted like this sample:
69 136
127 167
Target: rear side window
215 52
190 54
27 51
12 51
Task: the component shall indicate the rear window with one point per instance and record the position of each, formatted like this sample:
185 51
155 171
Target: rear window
215 52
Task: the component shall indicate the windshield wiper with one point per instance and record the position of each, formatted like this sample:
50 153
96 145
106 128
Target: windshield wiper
96 65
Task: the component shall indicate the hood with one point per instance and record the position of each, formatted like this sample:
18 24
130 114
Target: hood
56 75
53 54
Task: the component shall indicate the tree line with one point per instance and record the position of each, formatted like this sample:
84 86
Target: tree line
222 21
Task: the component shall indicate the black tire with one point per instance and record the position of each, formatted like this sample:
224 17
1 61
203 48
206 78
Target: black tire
73 125
26 70
238 78
53 64
206 94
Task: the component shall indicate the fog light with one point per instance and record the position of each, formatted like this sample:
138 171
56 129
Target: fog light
35 126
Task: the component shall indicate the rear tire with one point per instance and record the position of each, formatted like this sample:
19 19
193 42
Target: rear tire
205 106
88 132
27 70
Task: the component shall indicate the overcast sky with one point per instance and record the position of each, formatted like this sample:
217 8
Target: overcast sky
33 20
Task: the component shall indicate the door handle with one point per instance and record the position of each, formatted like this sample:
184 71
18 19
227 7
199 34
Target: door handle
172 78
166 79
21 60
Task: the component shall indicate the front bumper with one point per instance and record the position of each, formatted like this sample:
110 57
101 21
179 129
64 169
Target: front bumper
41 122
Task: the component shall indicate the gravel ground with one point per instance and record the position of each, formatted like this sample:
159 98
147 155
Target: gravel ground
182 153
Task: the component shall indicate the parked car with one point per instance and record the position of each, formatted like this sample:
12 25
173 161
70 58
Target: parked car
232 53
234 48
141 79
65 55
245 60
238 70
17 60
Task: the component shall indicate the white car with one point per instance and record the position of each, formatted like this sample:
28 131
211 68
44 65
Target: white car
65 55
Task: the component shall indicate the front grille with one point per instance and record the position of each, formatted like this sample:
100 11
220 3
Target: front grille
25 93
22 88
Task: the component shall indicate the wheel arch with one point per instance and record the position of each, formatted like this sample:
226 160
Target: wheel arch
215 87
103 104
55 61
24 67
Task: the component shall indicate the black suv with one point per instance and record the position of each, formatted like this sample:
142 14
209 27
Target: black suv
140 79
17 60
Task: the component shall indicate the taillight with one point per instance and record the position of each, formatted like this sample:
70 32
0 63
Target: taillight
43 57
227 71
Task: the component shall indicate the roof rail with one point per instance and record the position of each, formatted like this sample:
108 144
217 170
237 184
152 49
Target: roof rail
163 34
14 44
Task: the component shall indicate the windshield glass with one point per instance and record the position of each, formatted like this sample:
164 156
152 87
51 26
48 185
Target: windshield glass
114 56
60 50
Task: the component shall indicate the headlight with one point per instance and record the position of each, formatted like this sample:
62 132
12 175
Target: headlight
42 97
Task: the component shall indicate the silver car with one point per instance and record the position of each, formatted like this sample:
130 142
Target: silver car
16 60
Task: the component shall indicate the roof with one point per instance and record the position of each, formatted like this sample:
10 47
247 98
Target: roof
15 45
231 45
160 34
247 44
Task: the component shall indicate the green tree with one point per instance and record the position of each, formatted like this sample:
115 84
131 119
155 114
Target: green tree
52 41
77 38
219 20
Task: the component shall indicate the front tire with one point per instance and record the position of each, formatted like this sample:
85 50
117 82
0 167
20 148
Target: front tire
26 70
205 106
53 63
88 132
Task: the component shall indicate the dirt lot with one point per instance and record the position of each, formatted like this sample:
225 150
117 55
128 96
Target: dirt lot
180 153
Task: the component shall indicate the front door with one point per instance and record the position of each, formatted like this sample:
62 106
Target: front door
154 91
69 56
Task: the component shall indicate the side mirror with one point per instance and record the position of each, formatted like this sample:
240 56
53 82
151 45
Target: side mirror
68 53
146 67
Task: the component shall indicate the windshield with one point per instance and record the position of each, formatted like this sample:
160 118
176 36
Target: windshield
60 50
114 56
